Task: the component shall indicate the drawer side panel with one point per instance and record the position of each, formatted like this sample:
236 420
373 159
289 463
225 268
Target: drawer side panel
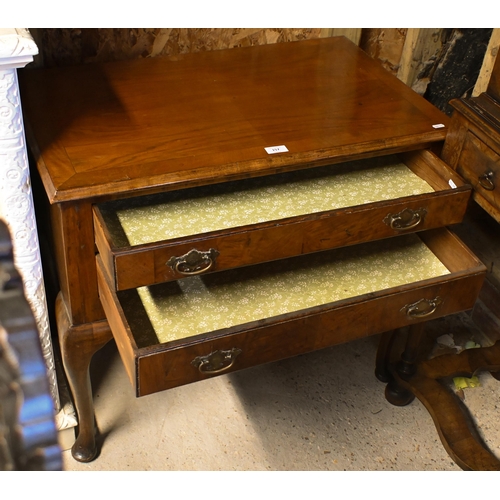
114 314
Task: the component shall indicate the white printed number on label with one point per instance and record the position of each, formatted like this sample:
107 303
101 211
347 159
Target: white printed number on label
276 149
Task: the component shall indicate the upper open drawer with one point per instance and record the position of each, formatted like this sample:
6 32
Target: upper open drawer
166 236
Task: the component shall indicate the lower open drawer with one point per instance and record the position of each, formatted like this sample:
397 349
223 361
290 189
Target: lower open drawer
180 332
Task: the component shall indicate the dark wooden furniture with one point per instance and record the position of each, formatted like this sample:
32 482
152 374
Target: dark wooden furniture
113 139
430 380
28 436
472 148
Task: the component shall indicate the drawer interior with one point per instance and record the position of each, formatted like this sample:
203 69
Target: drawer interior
179 214
196 305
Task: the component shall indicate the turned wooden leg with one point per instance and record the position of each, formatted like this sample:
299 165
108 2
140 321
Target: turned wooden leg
78 345
406 367
384 349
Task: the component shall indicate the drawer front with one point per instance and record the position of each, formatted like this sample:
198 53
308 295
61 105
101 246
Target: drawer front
480 165
156 367
192 363
165 260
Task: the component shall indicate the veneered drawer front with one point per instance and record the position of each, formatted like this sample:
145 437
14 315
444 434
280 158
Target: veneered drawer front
155 363
130 265
480 165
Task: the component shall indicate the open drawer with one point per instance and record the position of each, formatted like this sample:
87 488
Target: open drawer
162 237
180 332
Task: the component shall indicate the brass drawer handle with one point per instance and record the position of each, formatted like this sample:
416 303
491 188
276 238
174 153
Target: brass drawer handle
194 262
217 361
486 181
422 308
406 219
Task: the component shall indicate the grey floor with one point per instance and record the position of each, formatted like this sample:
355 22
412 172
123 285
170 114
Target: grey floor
323 411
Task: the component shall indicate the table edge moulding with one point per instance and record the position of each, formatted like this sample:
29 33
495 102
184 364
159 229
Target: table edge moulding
105 133
17 209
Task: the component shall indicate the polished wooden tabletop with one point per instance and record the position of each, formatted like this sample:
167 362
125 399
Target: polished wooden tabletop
158 123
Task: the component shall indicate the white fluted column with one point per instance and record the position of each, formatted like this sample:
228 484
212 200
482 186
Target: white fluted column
17 49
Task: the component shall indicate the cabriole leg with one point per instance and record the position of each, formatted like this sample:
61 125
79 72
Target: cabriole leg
78 345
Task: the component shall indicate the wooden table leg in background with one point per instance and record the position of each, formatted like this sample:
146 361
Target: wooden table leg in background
78 344
384 350
428 380
395 392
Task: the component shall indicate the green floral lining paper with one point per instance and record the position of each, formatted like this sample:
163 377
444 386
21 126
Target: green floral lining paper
212 208
207 303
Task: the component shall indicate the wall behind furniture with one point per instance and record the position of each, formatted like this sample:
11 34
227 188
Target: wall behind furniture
64 46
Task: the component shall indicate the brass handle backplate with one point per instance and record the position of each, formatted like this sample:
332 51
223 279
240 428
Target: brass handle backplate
422 308
406 219
486 181
194 262
217 361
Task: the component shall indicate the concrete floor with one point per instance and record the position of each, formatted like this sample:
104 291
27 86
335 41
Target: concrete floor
323 411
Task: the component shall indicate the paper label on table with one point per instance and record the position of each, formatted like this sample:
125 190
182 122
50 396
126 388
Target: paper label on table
438 125
276 149
452 184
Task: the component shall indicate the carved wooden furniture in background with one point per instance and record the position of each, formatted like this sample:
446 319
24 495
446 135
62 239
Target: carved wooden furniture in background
473 143
28 436
206 132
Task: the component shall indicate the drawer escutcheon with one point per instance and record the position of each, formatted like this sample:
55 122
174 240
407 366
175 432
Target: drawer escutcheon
422 308
406 219
194 262
217 361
